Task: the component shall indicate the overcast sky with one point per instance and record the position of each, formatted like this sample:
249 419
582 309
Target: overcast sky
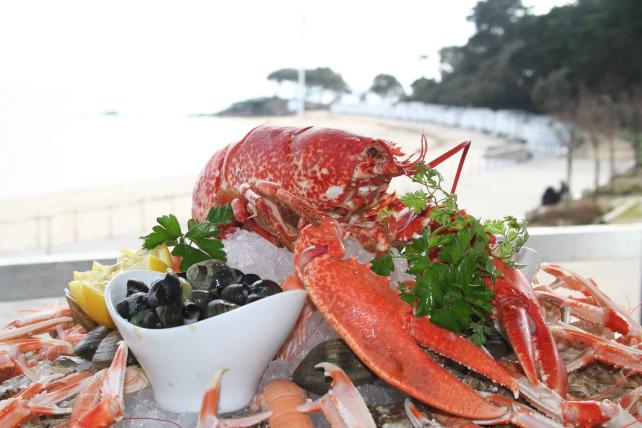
85 56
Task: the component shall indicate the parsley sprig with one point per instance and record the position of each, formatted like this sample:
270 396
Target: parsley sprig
200 241
451 259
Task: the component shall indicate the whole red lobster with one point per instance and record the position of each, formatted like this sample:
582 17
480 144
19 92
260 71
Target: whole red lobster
310 187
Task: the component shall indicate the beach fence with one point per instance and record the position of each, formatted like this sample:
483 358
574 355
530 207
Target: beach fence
47 229
542 136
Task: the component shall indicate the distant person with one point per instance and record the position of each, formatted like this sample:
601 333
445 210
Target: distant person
552 196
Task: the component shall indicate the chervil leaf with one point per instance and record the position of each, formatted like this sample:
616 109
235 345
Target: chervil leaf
190 255
452 259
417 200
198 244
383 265
171 225
213 248
221 214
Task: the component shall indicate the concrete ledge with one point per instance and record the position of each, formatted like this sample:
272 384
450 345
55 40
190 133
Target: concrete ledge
47 275
593 242
42 276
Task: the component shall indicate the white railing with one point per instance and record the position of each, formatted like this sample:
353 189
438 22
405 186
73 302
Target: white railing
43 230
543 135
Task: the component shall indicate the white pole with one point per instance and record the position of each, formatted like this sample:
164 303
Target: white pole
301 94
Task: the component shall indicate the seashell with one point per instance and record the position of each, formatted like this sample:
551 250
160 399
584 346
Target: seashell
334 351
107 349
87 347
78 314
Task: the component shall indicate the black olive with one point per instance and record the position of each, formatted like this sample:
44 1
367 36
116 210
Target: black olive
219 306
165 290
191 313
264 287
250 278
151 320
253 298
235 293
239 275
210 274
132 304
136 286
201 298
170 315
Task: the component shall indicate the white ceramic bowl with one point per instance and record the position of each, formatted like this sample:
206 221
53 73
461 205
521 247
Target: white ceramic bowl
180 361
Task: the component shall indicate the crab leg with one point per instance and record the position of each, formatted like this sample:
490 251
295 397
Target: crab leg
343 406
207 418
615 317
585 311
31 329
518 415
521 317
598 348
101 402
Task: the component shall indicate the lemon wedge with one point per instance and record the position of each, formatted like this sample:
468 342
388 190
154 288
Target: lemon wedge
88 288
90 295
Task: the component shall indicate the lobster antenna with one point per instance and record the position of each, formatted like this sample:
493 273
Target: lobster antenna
459 147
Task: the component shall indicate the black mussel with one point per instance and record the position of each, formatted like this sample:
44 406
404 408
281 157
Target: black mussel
218 307
252 298
151 320
239 275
310 378
191 313
138 317
170 315
235 293
201 298
165 290
136 286
250 278
264 288
210 274
137 302
497 345
86 348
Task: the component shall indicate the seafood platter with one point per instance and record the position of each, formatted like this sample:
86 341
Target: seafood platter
302 293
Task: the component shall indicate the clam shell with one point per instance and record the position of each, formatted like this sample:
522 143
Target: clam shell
87 347
334 351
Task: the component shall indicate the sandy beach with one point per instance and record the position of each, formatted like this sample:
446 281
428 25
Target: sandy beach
99 217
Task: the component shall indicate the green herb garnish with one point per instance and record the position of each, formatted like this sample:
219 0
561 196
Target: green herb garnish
452 259
200 241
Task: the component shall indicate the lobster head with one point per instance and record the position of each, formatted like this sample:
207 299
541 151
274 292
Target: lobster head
345 173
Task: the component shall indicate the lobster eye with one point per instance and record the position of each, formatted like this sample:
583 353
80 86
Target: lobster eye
372 151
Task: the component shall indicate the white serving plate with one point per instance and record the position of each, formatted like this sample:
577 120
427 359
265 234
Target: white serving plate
180 361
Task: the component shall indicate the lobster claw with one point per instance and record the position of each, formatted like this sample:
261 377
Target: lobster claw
520 315
380 328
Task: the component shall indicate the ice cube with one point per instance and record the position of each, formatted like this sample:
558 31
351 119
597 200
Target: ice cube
251 253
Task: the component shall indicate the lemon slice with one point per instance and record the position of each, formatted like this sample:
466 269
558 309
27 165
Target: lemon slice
150 262
90 295
162 252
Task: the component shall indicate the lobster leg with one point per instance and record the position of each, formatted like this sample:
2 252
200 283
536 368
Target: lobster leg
520 315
